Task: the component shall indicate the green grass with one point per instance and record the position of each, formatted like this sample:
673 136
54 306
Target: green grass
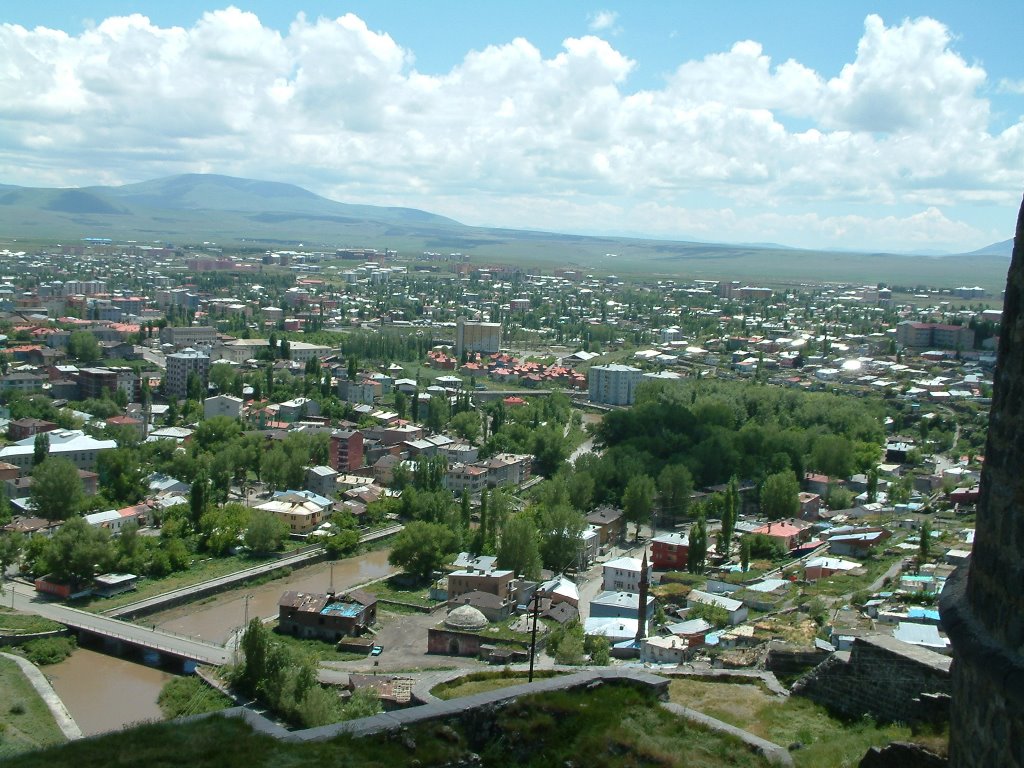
480 682
15 623
389 589
320 650
184 696
25 721
828 742
607 727
202 570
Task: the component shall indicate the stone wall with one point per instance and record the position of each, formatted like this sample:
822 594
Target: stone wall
982 606
881 677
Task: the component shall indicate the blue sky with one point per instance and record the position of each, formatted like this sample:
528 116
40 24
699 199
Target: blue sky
889 126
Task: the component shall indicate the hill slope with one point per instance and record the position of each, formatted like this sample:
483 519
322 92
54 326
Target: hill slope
237 212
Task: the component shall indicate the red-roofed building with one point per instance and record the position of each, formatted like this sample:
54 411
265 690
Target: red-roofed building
783 531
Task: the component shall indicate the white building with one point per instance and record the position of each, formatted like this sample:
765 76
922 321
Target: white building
623 574
72 444
180 366
222 405
613 384
477 337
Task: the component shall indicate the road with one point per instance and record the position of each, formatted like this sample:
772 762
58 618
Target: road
175 596
26 599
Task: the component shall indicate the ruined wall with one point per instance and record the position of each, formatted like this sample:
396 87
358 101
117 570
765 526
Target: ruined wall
880 677
983 604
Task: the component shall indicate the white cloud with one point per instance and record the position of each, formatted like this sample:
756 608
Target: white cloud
603 20
1011 86
511 137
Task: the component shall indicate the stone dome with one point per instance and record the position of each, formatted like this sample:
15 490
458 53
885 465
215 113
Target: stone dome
465 617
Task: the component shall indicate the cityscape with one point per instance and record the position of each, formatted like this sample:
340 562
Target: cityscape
291 480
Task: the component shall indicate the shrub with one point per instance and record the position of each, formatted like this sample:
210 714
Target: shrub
190 696
49 650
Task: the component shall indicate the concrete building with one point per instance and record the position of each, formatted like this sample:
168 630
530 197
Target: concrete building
934 336
477 337
188 335
346 450
326 617
72 444
180 365
613 384
222 405
623 574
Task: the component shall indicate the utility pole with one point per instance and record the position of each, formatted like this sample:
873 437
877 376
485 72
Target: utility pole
533 637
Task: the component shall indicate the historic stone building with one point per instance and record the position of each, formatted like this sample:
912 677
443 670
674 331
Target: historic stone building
983 604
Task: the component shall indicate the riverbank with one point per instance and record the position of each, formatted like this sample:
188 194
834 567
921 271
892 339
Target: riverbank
32 716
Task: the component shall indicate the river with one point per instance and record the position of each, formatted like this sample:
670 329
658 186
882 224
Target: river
104 692
216 618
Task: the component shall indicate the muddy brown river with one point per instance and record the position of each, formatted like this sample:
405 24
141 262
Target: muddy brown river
215 618
104 692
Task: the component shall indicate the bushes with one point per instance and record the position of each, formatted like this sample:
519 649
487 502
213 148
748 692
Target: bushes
284 679
184 696
49 650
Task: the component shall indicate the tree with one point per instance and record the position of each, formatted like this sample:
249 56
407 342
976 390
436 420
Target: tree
194 389
401 404
925 544
519 548
638 500
83 347
465 510
40 448
550 449
465 425
675 485
561 531
745 554
266 533
438 413
421 548
197 500
780 495
415 411
872 485
78 551
730 511
833 455
10 550
121 476
580 486
56 490
698 551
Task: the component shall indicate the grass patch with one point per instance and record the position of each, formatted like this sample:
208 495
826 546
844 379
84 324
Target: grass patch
319 650
25 721
828 742
200 571
480 682
607 727
190 696
14 623
392 589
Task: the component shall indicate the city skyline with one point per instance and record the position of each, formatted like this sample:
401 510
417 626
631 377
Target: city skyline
873 128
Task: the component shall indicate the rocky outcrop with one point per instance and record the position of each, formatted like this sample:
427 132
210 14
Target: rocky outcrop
983 604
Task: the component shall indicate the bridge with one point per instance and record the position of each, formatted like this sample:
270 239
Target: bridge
166 644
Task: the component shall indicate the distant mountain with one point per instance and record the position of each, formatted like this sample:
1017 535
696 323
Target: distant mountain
1003 248
248 213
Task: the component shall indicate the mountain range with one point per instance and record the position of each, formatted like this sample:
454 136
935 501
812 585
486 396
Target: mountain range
193 208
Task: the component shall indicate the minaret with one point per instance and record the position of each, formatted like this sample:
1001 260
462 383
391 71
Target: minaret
641 613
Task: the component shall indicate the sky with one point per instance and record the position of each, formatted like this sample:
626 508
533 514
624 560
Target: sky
885 126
